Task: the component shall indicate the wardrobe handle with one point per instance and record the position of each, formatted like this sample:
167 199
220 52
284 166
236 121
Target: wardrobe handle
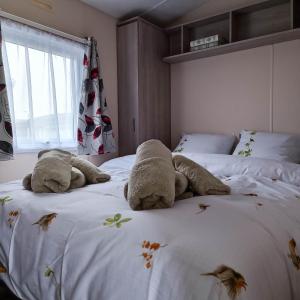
133 124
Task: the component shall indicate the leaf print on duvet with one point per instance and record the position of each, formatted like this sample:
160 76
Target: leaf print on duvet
49 272
12 217
232 280
2 269
203 207
5 199
116 221
293 255
149 250
45 221
248 150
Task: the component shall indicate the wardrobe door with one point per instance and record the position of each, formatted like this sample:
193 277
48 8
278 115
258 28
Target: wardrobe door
154 84
127 51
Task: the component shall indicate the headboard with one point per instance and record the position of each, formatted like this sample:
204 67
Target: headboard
255 89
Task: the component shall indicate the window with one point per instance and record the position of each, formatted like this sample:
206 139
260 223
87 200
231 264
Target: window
44 76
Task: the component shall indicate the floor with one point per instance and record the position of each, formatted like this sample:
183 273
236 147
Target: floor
5 294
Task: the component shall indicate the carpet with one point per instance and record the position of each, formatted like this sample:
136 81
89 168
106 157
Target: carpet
5 293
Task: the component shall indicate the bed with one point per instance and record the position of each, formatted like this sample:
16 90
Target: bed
88 243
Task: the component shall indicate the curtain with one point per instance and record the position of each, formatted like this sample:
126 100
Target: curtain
44 76
95 135
6 136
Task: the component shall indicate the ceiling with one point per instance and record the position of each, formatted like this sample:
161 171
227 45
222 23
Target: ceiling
161 12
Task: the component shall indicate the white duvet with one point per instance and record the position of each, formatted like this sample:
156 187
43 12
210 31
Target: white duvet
89 245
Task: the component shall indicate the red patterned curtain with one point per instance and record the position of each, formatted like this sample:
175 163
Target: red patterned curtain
95 135
6 137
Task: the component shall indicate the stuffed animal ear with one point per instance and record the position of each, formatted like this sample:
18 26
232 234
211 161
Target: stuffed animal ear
90 171
27 182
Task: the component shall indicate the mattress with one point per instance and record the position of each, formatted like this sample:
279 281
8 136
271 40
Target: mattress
88 243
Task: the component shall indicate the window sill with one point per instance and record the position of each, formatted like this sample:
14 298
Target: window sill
34 151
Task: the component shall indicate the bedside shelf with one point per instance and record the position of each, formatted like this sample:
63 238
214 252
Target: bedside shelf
266 23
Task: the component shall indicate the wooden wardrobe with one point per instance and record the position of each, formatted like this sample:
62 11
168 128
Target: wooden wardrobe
143 85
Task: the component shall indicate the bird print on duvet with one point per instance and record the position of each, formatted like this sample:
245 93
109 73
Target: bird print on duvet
232 280
293 255
45 221
228 283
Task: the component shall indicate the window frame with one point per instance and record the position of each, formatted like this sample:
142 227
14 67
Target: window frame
76 85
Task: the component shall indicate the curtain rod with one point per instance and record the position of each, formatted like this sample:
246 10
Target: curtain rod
42 27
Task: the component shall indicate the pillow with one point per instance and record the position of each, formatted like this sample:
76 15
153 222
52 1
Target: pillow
206 143
279 146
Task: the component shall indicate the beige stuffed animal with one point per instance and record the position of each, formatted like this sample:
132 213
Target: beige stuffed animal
58 171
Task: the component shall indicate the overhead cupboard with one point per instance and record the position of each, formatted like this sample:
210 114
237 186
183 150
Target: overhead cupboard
257 25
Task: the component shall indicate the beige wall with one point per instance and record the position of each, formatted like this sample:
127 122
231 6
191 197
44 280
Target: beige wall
78 19
252 89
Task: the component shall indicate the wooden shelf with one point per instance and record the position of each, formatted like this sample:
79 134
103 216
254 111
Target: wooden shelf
266 23
261 19
236 46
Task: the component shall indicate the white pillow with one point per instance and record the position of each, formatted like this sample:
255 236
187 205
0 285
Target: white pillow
279 146
206 143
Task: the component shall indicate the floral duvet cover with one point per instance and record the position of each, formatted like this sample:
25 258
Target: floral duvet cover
88 244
